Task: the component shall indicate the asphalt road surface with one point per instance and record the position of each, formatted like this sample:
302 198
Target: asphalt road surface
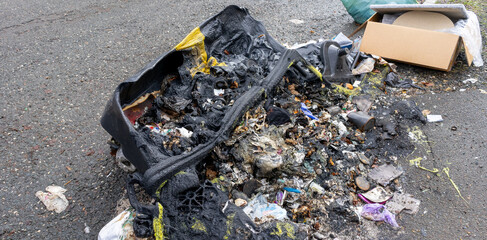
61 61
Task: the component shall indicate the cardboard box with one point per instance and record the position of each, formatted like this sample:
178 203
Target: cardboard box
426 48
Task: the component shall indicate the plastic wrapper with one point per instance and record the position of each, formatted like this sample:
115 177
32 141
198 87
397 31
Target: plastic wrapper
307 112
54 198
343 40
119 228
469 30
365 66
261 209
378 212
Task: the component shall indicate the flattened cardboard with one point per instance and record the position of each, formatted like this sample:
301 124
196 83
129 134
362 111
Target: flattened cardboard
453 11
424 20
426 48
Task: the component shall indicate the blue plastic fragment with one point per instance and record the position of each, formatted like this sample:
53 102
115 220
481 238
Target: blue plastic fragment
343 41
294 190
307 112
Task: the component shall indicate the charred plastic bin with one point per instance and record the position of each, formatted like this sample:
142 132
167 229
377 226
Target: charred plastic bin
202 87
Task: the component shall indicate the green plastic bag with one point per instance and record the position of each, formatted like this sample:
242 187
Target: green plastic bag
360 9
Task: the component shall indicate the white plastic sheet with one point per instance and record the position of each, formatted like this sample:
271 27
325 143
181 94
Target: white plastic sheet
119 228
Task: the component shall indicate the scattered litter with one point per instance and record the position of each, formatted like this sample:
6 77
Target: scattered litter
364 159
316 188
483 91
136 109
362 120
260 209
343 41
447 172
280 197
250 187
470 80
240 202
362 102
244 131
403 202
417 162
409 110
86 229
342 129
378 212
362 183
376 195
119 228
417 136
277 116
184 132
218 92
365 66
307 112
384 174
393 80
319 236
293 190
356 84
434 118
54 198
297 21
334 110
123 162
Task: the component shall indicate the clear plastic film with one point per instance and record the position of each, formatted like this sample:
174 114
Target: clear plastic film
469 30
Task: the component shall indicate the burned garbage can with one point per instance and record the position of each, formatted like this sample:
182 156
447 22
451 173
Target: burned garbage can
230 134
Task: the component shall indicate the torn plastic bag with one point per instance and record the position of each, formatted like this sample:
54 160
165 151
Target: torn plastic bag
261 209
119 228
393 80
378 212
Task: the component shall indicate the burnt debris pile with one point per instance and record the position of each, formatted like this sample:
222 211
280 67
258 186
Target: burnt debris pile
236 136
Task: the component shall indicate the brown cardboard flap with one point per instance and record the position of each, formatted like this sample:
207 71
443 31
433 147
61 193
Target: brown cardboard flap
467 53
415 46
375 18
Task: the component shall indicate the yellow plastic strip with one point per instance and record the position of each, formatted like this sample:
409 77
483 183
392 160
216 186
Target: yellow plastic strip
447 172
158 191
315 71
417 162
196 39
158 224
